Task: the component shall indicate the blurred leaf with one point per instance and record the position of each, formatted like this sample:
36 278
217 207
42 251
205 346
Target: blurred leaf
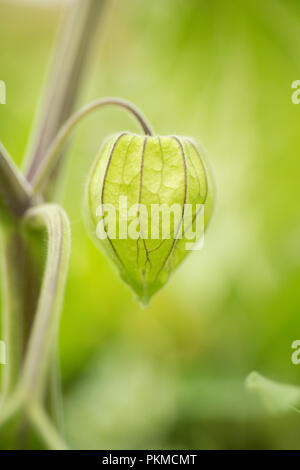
277 397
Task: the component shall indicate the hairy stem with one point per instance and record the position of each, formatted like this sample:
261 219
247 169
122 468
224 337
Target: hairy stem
44 330
20 288
68 64
45 428
15 191
54 401
44 168
26 395
12 308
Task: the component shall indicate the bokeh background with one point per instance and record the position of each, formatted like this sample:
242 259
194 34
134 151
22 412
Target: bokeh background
173 375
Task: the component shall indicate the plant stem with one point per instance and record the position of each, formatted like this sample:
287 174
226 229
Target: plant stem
16 197
68 64
18 266
44 330
12 308
30 389
53 153
15 191
20 286
10 407
54 399
69 56
45 428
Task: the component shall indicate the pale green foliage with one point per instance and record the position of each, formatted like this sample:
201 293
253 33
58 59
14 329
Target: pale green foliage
277 397
148 171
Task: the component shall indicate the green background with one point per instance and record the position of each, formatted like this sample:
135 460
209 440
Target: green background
172 375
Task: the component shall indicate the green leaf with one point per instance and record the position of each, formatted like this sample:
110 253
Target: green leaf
277 397
147 173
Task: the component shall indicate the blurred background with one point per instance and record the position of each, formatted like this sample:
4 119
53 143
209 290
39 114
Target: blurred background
173 375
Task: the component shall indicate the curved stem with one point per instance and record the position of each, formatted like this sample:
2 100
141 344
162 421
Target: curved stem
80 20
54 399
45 428
12 306
15 192
52 155
28 395
54 219
10 407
